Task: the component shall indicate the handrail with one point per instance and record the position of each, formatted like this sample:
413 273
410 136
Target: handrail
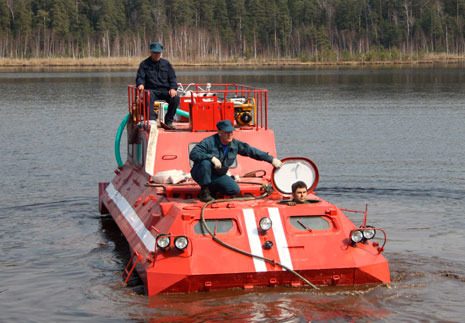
138 105
138 100
228 91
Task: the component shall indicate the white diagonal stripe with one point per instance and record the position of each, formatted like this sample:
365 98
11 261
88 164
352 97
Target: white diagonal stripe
131 216
280 237
151 149
254 239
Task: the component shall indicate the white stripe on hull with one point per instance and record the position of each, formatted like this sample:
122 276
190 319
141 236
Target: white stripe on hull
251 226
151 149
280 237
254 239
131 216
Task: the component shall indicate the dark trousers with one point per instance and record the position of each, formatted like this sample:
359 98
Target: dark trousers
173 104
204 174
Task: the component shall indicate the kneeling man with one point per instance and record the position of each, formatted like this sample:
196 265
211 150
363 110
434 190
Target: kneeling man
214 155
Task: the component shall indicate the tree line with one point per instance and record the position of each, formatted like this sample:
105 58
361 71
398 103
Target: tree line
220 30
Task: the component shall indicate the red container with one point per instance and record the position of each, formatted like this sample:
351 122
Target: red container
206 112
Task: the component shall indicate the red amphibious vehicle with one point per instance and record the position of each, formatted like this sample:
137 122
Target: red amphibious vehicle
180 244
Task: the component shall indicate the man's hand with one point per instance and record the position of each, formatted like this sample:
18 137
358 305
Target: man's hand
140 87
216 162
276 163
173 93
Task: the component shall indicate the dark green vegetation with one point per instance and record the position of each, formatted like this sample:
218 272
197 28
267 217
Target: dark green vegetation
219 30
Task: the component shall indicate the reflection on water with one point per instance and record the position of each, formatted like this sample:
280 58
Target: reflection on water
278 304
389 138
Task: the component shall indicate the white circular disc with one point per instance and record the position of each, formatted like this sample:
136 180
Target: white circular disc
294 170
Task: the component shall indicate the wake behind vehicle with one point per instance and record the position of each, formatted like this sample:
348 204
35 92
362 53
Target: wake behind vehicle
261 238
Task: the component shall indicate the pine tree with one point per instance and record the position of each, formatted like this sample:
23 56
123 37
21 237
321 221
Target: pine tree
4 18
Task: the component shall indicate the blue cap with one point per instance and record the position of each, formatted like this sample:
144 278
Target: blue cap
225 125
156 47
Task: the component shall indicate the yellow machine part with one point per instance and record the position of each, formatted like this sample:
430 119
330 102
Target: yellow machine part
248 107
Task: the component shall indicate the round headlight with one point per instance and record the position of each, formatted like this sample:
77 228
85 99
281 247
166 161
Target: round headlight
181 242
163 242
265 224
356 236
369 233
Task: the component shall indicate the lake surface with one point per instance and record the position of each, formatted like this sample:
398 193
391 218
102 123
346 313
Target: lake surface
390 138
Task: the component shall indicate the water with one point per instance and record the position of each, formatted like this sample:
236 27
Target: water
391 138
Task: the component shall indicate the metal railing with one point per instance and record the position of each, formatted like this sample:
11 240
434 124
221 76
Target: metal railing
226 92
139 105
139 100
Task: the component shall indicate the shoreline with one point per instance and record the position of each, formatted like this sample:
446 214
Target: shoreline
133 62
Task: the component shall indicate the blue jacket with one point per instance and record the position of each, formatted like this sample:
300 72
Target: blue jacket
156 76
211 146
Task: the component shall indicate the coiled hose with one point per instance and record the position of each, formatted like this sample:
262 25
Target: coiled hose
119 133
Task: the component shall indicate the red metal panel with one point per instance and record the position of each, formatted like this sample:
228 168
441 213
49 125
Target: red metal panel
101 191
173 153
223 111
206 114
202 116
185 106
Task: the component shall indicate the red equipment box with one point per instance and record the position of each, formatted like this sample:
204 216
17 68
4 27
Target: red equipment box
206 112
185 106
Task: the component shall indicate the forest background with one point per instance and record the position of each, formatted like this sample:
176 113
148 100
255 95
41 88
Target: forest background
221 31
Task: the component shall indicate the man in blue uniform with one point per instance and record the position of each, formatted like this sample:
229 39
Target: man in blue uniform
157 75
214 155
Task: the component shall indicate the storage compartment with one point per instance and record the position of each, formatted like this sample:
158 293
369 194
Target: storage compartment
207 111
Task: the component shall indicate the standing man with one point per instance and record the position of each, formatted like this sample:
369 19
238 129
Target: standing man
214 155
157 75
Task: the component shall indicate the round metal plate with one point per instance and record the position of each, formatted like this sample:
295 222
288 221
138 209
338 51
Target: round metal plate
295 169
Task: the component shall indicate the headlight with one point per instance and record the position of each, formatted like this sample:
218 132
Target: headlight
181 242
356 236
369 233
265 224
163 242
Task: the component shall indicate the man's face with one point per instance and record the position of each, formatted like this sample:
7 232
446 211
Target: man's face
225 137
155 56
300 194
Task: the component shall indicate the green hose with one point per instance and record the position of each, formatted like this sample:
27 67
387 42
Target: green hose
118 140
119 133
178 111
